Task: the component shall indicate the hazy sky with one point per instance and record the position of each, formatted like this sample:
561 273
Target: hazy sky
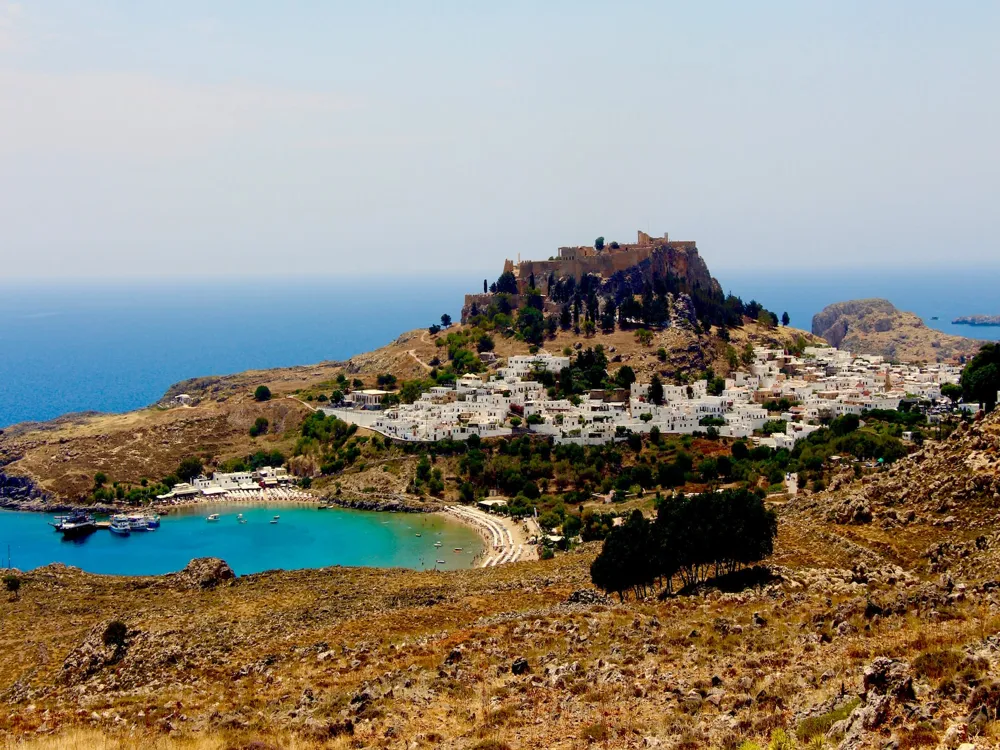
141 138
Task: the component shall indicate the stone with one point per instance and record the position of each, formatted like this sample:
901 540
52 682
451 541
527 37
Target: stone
520 666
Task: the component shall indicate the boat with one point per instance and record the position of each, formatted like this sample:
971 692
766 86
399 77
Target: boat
120 526
213 517
934 317
438 544
440 562
274 520
243 520
418 534
152 522
56 522
138 523
77 525
458 549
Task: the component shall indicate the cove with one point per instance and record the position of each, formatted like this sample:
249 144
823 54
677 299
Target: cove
304 537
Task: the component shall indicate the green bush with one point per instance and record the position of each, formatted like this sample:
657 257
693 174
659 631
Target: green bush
818 726
263 393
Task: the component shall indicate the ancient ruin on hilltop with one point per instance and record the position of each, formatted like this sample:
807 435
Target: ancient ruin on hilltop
623 266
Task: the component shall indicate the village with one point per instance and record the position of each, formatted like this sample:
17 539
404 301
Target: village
795 392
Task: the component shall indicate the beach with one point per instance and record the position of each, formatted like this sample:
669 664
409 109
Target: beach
506 539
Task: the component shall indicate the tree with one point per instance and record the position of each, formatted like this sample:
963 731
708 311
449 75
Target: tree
656 390
624 377
981 377
100 479
189 468
599 243
951 391
644 337
507 283
259 427
785 320
485 343
445 320
485 287
263 393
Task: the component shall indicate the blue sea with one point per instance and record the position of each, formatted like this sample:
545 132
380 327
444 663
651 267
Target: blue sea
303 537
119 346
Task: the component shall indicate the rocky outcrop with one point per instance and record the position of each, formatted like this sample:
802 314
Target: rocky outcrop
203 573
17 489
977 320
389 502
875 326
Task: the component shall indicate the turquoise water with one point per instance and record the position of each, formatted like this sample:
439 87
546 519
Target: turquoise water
304 537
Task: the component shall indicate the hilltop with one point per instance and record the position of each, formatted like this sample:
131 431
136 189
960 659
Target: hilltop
875 326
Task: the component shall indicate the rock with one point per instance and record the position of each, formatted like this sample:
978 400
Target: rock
520 666
204 573
587 596
758 620
454 657
954 736
886 676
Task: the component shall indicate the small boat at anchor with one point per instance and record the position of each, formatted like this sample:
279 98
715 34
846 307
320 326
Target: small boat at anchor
438 544
418 534
440 562
275 519
458 549
213 517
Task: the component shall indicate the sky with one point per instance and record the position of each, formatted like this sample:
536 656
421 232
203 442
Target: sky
252 138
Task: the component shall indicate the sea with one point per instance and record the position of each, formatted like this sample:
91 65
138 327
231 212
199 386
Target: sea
118 346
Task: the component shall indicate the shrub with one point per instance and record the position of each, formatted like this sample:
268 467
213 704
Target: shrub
263 393
115 634
259 427
937 664
818 726
12 583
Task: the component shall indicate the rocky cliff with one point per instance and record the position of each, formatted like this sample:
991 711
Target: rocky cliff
875 326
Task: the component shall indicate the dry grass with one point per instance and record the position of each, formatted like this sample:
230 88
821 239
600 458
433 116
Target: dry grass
92 739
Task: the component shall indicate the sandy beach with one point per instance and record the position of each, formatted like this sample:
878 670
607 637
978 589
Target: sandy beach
506 539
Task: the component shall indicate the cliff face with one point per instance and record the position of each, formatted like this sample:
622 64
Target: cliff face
875 326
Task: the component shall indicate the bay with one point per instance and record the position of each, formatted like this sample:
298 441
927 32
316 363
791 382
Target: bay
304 537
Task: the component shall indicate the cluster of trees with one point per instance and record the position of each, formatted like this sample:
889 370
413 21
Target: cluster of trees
692 538
981 377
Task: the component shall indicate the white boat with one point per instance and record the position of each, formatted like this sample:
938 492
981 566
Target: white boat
213 517
438 544
440 562
274 520
120 526
138 523
418 534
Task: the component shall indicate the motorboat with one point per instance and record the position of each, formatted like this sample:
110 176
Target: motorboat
458 549
418 533
438 544
213 517
275 519
120 526
152 522
440 562
77 525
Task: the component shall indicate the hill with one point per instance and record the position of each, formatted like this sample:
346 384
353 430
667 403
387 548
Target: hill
875 326
56 461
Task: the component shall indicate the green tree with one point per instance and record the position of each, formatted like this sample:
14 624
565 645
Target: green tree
656 390
259 427
624 377
952 391
785 320
189 468
445 320
644 336
599 243
263 393
507 283
100 479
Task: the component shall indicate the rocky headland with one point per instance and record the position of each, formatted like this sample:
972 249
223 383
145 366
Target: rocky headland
876 326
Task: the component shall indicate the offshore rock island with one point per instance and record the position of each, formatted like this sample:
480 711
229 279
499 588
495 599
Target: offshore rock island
977 320
746 537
